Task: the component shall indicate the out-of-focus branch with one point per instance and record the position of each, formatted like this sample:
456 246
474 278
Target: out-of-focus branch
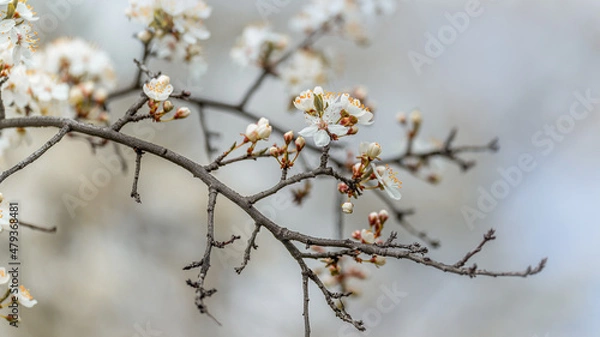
447 151
37 154
38 228
138 166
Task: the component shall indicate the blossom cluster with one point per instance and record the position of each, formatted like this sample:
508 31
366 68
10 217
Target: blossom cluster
257 44
173 28
86 70
350 16
17 38
308 67
331 115
159 90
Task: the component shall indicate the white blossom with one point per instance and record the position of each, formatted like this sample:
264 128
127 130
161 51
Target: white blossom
350 16
388 180
3 276
330 115
255 43
25 298
159 89
307 68
173 28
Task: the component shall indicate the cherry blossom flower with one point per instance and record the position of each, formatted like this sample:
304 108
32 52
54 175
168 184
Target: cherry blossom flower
31 92
87 71
330 115
159 89
307 68
16 33
256 44
25 298
350 16
387 179
3 276
367 236
174 28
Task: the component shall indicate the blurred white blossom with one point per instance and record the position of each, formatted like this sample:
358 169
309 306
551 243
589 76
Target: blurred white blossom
349 16
256 44
174 28
307 68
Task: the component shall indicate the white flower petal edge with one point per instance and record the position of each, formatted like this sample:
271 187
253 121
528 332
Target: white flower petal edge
387 178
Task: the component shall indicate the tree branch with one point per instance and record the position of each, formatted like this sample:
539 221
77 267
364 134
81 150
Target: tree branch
37 154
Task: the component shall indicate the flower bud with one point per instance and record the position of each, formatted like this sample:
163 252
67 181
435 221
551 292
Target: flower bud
300 143
145 36
373 218
415 117
264 129
168 106
100 95
356 235
383 215
288 137
378 260
357 170
182 112
367 236
401 118
274 151
353 130
347 207
76 95
343 188
87 88
373 150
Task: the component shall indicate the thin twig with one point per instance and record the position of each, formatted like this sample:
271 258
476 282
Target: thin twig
251 245
138 166
37 154
38 228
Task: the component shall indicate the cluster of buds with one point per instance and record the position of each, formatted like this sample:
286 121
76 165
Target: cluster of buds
159 90
282 153
372 235
89 101
256 132
336 272
366 171
415 120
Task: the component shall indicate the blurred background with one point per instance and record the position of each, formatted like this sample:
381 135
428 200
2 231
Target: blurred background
115 267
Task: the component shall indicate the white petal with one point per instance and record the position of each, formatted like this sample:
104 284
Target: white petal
393 192
322 138
309 131
338 130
